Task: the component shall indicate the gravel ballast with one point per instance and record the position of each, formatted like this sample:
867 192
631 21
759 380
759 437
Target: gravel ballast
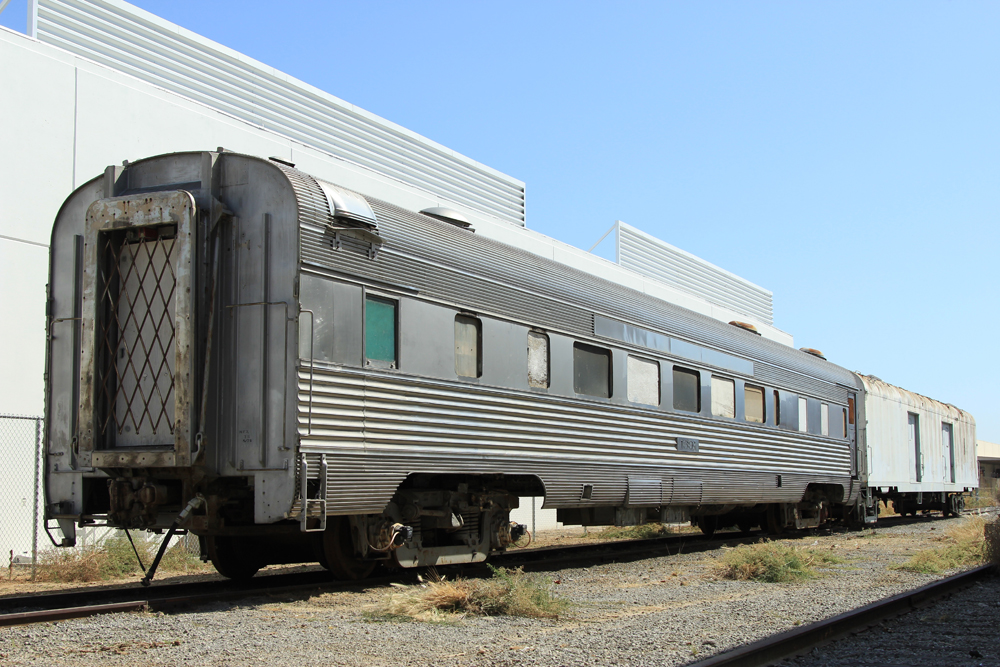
663 611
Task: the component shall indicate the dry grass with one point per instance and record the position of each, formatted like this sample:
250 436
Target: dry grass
886 508
966 547
644 532
113 558
771 562
991 542
986 496
506 593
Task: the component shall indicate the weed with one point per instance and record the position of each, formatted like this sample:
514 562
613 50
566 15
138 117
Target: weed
506 593
112 558
644 532
991 540
967 547
772 562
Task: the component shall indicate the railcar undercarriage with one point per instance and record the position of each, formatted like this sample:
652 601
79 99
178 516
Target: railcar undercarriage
431 520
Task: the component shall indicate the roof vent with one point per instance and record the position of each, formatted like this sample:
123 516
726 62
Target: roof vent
745 325
348 205
813 352
449 215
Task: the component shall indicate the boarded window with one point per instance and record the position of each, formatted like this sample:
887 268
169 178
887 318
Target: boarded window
643 381
538 360
687 390
468 346
850 410
824 419
777 408
380 331
803 415
315 295
591 370
753 401
723 397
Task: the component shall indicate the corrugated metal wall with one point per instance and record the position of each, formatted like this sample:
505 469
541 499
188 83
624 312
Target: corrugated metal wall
375 429
661 261
128 39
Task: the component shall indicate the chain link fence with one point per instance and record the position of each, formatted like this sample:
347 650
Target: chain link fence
21 493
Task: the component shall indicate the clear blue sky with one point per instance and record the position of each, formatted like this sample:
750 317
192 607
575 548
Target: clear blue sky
843 155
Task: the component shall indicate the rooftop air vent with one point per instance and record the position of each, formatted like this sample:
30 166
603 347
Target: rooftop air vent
449 215
349 206
813 352
745 325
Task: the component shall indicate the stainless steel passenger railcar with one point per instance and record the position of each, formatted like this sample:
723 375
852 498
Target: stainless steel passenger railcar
317 375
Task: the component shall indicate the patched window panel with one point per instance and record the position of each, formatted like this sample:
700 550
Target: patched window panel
753 401
316 295
468 346
538 360
380 331
687 389
723 397
803 415
643 381
591 370
824 419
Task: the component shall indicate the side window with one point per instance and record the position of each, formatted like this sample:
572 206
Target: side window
538 360
380 332
803 415
591 370
687 390
643 381
845 422
468 346
824 419
316 326
753 400
777 408
723 397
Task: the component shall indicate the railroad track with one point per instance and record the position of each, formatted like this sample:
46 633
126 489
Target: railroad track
21 610
799 641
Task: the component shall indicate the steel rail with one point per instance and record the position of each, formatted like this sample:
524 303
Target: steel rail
801 640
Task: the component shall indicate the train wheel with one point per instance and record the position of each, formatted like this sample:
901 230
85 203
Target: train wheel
338 546
708 524
745 525
232 556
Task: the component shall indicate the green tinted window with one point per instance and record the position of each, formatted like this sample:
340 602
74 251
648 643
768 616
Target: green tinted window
380 330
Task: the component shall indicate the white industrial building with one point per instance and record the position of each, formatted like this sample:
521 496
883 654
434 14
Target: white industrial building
96 82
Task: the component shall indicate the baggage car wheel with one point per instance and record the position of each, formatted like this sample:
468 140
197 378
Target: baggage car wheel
708 524
232 556
338 546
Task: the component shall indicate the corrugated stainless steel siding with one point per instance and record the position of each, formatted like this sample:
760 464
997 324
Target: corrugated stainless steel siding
137 43
661 261
377 428
482 274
